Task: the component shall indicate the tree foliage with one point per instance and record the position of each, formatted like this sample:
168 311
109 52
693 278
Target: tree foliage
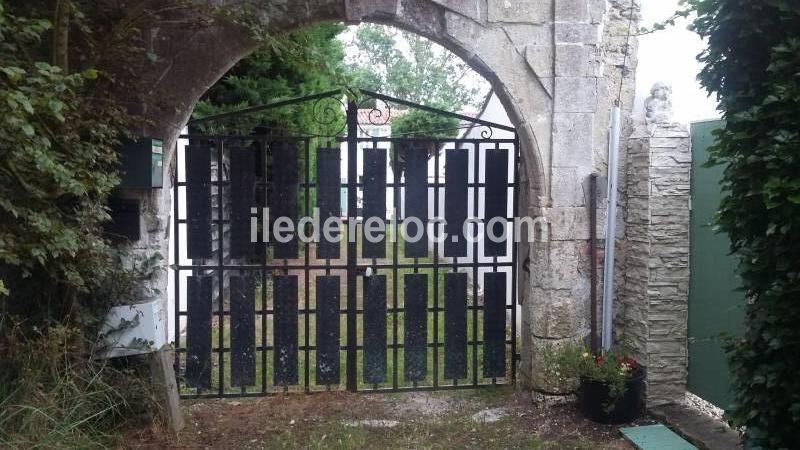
301 63
752 64
411 67
58 164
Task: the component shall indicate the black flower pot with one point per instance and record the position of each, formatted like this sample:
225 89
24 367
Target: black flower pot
595 403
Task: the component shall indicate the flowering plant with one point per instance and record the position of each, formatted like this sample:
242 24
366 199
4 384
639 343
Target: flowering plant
570 362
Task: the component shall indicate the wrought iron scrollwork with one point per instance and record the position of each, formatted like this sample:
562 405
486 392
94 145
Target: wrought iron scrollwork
327 112
486 132
376 115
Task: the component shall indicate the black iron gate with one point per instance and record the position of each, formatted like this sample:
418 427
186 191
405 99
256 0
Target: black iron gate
261 316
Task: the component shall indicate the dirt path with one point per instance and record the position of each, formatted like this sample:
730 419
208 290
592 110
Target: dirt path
488 419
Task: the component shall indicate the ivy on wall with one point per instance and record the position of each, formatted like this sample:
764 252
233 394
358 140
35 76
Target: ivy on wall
752 64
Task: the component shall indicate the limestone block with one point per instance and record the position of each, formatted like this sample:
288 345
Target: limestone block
576 33
572 11
558 314
468 8
575 94
573 60
530 11
597 11
559 264
565 189
355 10
572 139
540 60
524 34
568 223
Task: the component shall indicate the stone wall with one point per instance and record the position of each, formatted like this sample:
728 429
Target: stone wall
654 302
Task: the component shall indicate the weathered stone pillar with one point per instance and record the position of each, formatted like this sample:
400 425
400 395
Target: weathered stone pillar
653 308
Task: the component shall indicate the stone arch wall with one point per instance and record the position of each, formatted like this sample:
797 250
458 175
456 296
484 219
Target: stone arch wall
553 63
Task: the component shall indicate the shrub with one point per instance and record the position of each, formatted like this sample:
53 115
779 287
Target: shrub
752 64
58 397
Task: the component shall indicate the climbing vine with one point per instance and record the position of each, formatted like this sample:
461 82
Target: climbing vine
752 64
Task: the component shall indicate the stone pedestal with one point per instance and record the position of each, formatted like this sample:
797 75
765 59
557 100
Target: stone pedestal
653 308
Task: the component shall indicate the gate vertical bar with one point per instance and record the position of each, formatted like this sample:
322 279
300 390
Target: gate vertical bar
221 266
352 277
307 274
514 267
177 252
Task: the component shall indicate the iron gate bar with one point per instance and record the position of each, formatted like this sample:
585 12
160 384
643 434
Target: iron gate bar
333 266
352 205
514 266
438 111
435 269
361 311
395 271
341 139
252 109
375 95
221 260
343 347
475 210
307 276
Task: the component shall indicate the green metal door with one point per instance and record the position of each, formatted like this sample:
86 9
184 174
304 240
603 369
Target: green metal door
716 307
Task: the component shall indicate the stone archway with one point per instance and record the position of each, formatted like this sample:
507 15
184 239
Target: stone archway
550 62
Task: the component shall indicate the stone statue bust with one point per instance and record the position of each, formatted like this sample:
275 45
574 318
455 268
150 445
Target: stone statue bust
658 107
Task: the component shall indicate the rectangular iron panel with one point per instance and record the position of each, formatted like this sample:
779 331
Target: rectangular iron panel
284 194
455 326
328 329
375 329
285 329
496 199
243 164
416 201
328 197
494 324
455 201
243 331
198 201
198 334
374 198
415 326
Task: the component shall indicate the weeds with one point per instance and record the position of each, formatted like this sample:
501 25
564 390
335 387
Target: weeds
54 395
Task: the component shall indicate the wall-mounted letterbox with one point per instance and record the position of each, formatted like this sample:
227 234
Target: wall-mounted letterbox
142 164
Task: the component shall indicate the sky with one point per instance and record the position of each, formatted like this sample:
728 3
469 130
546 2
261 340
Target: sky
670 56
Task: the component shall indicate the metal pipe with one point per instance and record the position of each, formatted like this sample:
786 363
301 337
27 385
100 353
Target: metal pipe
593 344
611 227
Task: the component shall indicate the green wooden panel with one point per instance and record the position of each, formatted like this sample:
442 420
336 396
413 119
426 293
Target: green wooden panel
716 307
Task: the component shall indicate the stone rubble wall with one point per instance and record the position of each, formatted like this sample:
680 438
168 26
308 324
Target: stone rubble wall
653 313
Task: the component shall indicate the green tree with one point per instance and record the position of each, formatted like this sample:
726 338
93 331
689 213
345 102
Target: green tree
751 64
306 62
302 63
58 164
410 67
